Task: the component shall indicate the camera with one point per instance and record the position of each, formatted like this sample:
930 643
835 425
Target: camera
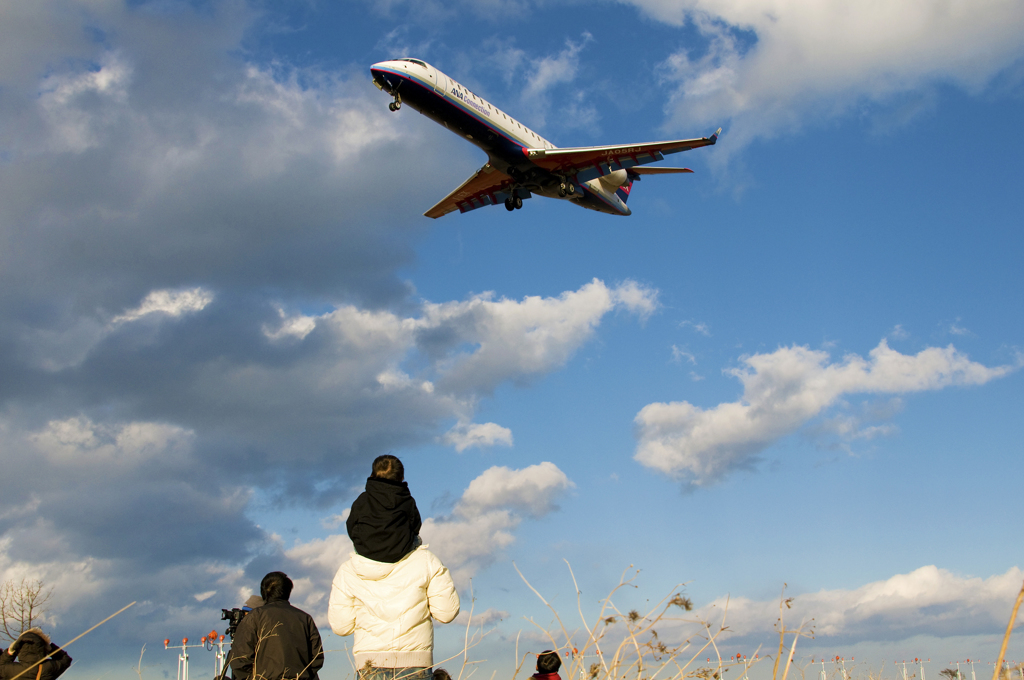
233 617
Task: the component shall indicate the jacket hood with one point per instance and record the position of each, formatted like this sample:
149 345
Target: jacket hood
387 493
33 645
371 570
36 632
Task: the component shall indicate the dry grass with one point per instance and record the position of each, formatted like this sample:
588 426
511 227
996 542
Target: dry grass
626 645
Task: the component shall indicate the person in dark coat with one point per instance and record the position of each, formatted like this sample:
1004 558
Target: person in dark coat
384 523
30 647
548 664
276 641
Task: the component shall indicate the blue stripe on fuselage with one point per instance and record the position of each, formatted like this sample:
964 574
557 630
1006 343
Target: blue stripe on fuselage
450 111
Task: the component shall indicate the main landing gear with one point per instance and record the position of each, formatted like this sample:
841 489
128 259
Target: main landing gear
513 203
397 104
566 189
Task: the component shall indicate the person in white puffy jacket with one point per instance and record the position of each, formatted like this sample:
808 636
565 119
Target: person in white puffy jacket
391 607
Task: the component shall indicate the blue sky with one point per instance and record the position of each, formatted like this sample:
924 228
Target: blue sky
799 365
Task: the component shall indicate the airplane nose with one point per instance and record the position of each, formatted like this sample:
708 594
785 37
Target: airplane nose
380 78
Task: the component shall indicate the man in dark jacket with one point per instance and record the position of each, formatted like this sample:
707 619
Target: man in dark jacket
276 641
30 647
384 523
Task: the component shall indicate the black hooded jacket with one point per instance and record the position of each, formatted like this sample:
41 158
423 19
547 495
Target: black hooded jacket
30 647
384 522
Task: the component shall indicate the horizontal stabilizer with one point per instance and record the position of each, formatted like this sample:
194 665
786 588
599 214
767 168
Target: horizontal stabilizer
644 170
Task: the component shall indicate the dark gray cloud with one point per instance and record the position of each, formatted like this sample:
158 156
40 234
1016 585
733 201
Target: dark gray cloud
140 152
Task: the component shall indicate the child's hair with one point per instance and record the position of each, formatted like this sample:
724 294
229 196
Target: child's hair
441 674
388 467
548 662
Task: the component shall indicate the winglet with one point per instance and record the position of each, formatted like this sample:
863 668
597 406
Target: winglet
714 137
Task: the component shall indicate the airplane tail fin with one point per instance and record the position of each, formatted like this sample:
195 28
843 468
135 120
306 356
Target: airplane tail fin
623 191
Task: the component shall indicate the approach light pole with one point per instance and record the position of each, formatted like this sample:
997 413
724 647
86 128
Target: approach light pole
183 655
841 662
214 640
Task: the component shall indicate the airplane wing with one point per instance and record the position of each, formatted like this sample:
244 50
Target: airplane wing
593 161
487 186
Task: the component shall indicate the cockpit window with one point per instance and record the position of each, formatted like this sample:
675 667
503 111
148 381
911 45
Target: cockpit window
413 61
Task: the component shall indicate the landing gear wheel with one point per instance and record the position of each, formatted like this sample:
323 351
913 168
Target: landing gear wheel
562 191
517 202
391 106
571 188
508 205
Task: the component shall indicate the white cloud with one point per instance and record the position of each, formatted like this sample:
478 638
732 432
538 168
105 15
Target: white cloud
322 556
532 490
335 521
170 302
296 326
782 391
928 600
772 65
679 353
467 435
483 522
638 299
484 619
956 329
468 544
699 327
546 79
561 68
79 442
513 339
67 103
899 332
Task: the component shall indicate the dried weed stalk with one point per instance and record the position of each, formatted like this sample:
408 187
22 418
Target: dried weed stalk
797 633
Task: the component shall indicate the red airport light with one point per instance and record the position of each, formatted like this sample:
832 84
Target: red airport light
166 642
184 641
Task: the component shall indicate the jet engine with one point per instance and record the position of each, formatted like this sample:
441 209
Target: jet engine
615 179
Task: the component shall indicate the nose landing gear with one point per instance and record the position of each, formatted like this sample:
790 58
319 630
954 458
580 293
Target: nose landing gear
397 104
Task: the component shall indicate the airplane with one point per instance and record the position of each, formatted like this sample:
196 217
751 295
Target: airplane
521 163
